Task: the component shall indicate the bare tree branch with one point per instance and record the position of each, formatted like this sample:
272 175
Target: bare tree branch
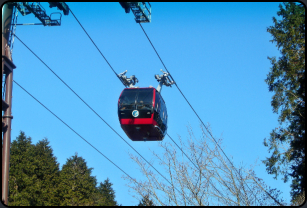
206 178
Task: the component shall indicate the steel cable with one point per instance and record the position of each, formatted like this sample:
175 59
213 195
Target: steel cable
194 110
96 113
96 46
77 133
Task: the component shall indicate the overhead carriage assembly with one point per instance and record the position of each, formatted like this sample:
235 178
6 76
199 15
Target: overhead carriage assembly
141 111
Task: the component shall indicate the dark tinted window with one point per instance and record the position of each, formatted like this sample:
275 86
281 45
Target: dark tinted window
162 112
144 99
157 102
145 95
160 107
141 98
127 99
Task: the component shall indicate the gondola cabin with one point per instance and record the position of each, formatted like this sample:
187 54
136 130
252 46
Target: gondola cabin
142 114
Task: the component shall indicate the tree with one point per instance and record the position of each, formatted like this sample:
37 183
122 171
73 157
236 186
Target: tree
106 194
47 173
146 201
20 172
35 178
77 185
200 175
287 80
34 173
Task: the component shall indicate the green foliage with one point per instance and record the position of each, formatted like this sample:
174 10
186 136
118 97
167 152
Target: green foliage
146 201
33 175
77 185
47 174
106 193
287 80
35 178
19 179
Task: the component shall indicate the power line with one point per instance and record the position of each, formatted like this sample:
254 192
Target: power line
96 46
116 74
75 132
95 112
202 121
191 105
183 96
124 84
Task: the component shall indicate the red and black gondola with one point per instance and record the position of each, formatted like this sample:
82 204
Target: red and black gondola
142 114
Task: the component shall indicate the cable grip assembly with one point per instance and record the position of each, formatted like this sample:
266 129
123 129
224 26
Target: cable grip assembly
163 79
128 82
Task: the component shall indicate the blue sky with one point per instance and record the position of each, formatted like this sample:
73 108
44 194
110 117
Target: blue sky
216 52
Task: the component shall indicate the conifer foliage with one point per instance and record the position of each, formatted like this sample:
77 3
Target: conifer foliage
36 180
146 201
34 173
77 184
287 80
106 194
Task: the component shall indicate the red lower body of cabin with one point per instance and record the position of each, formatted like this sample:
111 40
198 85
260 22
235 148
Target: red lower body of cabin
141 129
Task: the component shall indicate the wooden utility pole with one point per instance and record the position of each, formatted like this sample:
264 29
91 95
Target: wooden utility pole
7 69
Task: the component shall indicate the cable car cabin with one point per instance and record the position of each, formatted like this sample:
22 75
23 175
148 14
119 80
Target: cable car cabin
142 114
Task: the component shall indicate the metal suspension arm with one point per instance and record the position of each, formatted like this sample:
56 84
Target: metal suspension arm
128 82
163 80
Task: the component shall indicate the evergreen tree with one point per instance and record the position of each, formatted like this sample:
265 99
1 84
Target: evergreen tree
33 173
47 173
287 80
146 201
77 185
35 178
20 173
106 194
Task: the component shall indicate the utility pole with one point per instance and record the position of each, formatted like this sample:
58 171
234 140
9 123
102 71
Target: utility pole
7 70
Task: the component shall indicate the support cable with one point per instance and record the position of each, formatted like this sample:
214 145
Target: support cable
106 59
96 46
197 114
77 133
95 112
